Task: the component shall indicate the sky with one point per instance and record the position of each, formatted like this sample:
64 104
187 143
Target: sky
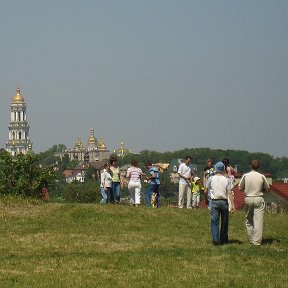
161 75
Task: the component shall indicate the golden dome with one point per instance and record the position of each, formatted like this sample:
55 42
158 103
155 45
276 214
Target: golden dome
79 144
102 145
122 151
92 139
18 98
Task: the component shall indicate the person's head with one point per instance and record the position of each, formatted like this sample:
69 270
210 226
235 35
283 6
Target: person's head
134 163
226 162
148 165
209 162
113 161
106 166
188 160
196 180
219 167
255 164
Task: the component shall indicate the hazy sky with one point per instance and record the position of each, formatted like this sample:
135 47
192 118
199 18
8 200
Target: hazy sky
158 74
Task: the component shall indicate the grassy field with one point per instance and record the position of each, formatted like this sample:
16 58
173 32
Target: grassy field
65 245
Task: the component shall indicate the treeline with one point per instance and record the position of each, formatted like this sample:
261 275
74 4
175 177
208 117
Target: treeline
26 175
278 167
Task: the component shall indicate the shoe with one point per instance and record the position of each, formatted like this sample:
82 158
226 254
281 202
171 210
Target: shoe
215 243
255 243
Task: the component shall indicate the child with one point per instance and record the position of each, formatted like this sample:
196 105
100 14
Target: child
196 188
105 184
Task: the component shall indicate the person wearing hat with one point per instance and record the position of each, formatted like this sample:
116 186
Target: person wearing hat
220 191
196 188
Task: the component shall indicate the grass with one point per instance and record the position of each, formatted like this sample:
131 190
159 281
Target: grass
86 245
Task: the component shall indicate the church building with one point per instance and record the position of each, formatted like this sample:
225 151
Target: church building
18 139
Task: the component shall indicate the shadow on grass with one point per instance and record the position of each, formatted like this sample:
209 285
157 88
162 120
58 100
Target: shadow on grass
235 241
269 241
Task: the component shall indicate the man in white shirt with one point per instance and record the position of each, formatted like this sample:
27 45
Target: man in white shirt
185 172
253 184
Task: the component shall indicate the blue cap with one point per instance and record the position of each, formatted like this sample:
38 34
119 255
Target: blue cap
219 167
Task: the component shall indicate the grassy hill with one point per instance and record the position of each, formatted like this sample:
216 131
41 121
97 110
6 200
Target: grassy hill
86 245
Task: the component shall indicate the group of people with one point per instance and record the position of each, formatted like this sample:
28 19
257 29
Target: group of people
218 181
112 181
217 184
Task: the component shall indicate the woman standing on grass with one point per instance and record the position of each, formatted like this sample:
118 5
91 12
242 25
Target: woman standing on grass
116 181
134 173
230 174
105 184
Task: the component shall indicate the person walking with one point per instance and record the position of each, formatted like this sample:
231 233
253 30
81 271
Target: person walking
219 193
152 191
186 173
105 184
254 183
134 173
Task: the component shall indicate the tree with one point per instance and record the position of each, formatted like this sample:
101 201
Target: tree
22 175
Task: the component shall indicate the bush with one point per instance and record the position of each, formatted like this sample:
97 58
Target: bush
87 192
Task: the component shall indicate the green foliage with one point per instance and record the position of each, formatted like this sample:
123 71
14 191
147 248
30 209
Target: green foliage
167 188
87 192
278 167
21 175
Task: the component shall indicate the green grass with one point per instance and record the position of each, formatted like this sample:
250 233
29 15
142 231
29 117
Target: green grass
85 245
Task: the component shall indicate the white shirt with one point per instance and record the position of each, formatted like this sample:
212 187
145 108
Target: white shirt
106 179
185 171
218 186
253 184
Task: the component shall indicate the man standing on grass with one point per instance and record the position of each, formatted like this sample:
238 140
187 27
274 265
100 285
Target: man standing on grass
152 191
253 184
186 173
220 192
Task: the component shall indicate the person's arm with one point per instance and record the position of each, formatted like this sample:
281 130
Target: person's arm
231 199
181 175
103 177
128 174
241 184
207 186
121 180
266 185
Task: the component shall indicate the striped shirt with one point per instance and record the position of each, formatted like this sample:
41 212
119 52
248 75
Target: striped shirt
134 174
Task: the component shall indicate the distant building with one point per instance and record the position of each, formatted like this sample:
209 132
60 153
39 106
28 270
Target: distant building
122 151
94 151
18 139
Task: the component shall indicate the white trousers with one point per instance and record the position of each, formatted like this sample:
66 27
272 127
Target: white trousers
134 190
182 189
255 208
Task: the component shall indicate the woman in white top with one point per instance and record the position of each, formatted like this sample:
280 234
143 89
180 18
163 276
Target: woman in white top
134 173
105 184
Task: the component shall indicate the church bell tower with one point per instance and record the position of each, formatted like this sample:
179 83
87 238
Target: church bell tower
18 139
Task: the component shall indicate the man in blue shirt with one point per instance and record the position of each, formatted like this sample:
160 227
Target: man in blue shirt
152 191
